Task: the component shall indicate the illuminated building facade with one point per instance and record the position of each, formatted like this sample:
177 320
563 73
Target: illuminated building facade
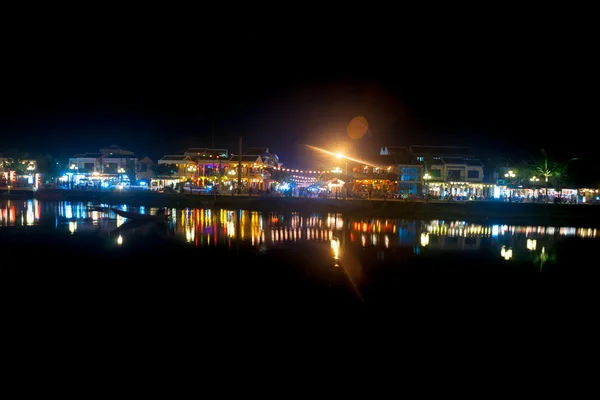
113 165
211 167
391 171
174 169
19 173
452 171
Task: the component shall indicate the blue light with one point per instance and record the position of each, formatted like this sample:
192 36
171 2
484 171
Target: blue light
496 192
495 230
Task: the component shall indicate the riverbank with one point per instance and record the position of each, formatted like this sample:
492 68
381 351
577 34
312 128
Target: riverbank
581 215
16 193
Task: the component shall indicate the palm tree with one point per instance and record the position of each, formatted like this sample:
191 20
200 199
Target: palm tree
548 168
545 168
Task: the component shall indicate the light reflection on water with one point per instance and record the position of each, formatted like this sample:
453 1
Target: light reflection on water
205 227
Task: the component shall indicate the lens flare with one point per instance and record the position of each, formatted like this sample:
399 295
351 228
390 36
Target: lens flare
357 127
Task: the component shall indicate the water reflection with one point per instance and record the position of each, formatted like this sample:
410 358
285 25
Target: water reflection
204 227
378 238
19 213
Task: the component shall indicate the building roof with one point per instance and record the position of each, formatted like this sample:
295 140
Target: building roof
453 160
389 159
115 148
441 151
177 157
386 160
88 155
393 150
204 150
256 151
246 158
196 150
473 162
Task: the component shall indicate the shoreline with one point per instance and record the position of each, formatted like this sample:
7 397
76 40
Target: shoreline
489 212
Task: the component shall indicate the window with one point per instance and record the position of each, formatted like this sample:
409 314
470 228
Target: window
88 167
473 174
409 174
454 175
144 167
110 168
435 173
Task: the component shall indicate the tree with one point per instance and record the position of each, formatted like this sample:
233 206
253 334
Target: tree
545 168
16 164
552 171
560 176
163 169
48 166
280 176
130 167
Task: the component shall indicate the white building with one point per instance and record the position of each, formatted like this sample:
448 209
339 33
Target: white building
112 165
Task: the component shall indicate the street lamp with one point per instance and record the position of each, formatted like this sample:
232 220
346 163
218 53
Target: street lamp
426 177
73 167
340 156
533 180
512 175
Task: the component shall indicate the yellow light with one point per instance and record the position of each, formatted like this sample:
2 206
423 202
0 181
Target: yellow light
506 253
424 239
339 155
335 246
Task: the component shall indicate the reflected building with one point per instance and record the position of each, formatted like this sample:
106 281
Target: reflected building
453 235
20 213
369 238
78 217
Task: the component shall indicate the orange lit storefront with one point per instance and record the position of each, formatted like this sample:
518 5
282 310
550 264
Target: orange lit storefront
8 178
384 185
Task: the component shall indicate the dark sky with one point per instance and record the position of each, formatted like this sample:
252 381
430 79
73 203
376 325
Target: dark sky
499 84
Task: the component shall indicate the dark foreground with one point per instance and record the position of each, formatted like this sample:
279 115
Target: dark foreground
157 275
164 299
205 281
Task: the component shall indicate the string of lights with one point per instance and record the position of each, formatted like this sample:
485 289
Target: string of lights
302 171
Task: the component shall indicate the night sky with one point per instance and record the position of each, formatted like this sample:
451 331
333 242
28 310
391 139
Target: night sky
505 88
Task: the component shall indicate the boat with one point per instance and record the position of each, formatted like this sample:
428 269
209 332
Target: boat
138 216
99 209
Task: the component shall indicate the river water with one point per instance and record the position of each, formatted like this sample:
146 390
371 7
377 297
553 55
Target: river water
346 259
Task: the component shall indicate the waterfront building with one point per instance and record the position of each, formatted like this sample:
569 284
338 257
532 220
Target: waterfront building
111 166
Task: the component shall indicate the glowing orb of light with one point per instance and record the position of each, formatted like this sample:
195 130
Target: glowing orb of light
357 127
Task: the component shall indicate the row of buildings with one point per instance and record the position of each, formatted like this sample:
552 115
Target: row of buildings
439 171
206 167
20 172
113 166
